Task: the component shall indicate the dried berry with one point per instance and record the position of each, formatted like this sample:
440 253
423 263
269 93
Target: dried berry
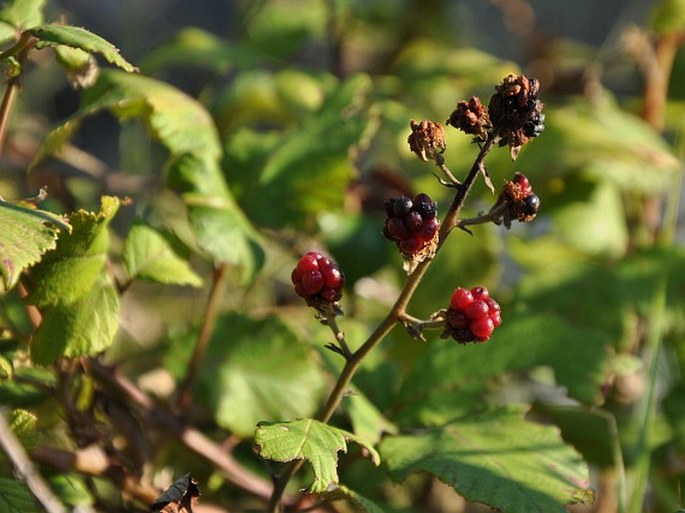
516 112
427 139
472 315
471 118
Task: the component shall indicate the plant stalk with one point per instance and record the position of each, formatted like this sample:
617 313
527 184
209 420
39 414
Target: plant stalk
216 295
394 315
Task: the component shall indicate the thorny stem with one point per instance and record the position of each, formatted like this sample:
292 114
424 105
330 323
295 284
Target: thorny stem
395 314
216 294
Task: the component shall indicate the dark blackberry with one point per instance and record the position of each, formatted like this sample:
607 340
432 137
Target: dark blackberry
531 204
425 206
402 206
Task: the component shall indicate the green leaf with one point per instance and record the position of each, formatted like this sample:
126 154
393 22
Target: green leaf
86 326
668 16
15 497
77 37
258 370
68 273
27 234
72 489
23 425
22 14
275 31
309 168
219 226
450 380
498 459
196 47
186 129
596 226
361 502
148 255
80 307
367 421
311 440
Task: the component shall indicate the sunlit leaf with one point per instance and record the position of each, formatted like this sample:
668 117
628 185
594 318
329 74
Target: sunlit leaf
83 327
311 440
489 459
185 128
77 37
80 307
26 235
69 272
148 255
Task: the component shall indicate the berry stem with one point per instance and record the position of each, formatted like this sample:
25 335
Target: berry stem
395 315
440 162
330 321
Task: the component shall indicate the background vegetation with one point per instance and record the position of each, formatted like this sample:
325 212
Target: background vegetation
144 335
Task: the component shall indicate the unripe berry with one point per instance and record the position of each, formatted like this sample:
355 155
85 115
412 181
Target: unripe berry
312 282
461 298
472 315
480 293
477 310
482 328
318 280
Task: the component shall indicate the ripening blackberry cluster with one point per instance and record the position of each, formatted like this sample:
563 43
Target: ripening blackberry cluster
317 279
411 224
524 202
472 315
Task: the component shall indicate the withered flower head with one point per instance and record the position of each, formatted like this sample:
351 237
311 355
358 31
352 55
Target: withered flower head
427 139
471 117
516 112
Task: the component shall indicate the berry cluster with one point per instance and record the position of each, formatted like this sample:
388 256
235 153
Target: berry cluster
411 224
516 111
472 315
318 280
523 202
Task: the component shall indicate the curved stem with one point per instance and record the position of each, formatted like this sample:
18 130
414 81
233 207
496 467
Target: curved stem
208 324
394 315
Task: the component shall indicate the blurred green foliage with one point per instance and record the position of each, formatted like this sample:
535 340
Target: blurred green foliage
289 136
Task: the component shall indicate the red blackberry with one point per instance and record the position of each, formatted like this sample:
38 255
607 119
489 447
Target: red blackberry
412 225
318 280
472 315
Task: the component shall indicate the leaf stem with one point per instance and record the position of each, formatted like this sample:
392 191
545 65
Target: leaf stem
216 295
395 314
21 49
